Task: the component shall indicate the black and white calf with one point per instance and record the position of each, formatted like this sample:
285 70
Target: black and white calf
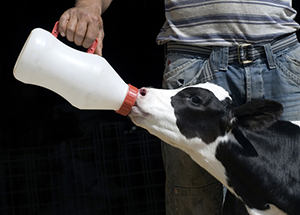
256 156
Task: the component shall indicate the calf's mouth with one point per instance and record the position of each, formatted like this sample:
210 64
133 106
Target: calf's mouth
137 110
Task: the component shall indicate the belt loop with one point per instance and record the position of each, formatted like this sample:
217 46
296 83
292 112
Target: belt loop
270 56
165 50
220 58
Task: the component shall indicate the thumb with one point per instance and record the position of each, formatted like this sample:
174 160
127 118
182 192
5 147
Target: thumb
99 47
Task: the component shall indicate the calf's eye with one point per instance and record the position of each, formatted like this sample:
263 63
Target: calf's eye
196 100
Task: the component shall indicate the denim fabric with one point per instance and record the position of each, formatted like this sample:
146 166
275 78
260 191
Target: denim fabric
189 188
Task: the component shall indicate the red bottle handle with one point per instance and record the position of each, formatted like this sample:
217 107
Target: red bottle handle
91 50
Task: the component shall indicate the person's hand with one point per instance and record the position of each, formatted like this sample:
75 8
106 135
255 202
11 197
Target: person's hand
82 25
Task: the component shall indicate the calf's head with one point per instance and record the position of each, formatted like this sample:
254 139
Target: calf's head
203 112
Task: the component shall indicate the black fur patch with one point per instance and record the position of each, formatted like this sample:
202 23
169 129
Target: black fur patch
198 113
264 166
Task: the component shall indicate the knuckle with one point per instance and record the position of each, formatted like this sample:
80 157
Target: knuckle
89 17
80 34
70 30
63 17
73 12
84 14
95 18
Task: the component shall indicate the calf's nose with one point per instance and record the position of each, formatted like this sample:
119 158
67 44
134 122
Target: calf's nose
143 91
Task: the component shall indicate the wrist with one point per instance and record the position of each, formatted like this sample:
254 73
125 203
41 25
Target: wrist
99 5
92 4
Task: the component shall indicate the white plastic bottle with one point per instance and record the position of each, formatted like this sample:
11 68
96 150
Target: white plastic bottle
86 80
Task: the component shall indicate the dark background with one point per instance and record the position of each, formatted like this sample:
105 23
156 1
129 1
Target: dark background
129 46
56 159
44 138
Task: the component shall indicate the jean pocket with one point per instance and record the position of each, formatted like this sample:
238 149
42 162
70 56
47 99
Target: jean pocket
289 65
181 70
203 200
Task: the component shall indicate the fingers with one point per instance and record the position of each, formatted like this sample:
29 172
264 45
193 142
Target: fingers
79 36
82 26
71 28
63 22
92 30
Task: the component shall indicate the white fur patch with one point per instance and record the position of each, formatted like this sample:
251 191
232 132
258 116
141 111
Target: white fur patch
219 92
296 123
272 211
204 155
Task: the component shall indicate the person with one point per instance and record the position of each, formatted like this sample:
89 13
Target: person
248 47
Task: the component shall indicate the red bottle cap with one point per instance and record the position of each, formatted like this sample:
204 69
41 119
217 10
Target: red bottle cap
128 101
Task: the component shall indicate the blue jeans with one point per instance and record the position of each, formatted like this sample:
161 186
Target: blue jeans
189 188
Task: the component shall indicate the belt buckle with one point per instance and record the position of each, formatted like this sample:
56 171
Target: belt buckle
239 57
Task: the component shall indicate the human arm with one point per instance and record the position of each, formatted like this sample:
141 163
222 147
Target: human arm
82 24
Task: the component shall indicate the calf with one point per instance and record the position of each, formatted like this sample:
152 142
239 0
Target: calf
250 151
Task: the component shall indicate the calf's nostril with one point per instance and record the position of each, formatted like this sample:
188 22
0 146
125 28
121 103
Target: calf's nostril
143 91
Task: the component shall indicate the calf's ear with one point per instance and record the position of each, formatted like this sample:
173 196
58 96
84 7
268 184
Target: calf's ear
257 114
